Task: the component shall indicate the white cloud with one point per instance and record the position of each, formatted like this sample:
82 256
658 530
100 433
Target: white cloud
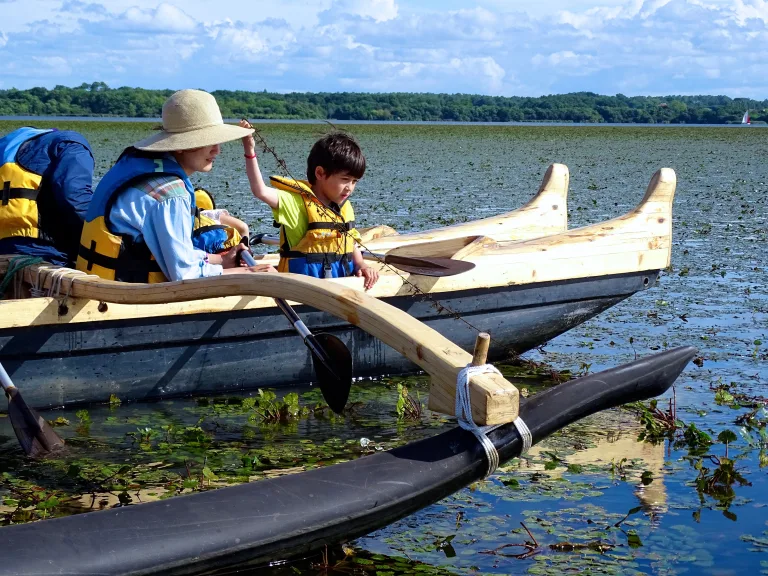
83 8
378 10
165 19
756 9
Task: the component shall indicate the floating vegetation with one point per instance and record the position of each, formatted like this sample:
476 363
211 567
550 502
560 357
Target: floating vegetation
704 495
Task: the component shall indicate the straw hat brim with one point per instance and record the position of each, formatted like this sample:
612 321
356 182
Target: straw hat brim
210 135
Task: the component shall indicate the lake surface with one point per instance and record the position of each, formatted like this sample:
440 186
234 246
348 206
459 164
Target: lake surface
674 513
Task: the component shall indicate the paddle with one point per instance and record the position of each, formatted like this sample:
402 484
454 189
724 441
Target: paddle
330 356
436 267
35 435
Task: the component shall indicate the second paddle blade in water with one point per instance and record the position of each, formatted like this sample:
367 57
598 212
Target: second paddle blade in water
334 371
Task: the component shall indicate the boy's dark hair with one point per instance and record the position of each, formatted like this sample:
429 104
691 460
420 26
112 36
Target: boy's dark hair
336 152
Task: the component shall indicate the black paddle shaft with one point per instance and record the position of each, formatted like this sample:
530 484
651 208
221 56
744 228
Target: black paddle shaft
330 356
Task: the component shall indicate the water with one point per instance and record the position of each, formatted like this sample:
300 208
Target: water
575 486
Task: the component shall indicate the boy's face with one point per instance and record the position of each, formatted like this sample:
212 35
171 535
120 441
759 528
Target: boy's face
336 187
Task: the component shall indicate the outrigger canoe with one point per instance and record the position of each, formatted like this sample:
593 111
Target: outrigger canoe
545 214
68 349
278 518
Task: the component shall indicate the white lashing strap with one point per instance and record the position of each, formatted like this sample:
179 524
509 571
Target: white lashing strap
57 277
525 434
464 413
464 416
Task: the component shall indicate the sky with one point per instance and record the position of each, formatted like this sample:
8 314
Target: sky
495 47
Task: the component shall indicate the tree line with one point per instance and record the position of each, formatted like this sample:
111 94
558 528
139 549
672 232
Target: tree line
98 99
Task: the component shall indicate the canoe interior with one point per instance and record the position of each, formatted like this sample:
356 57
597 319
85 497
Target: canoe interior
150 358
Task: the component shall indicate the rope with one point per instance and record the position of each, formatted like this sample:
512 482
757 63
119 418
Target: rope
57 275
525 434
36 290
16 264
464 415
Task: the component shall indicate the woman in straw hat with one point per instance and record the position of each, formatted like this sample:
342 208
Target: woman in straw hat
139 224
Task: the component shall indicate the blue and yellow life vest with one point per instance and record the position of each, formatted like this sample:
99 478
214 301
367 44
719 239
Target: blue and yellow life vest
325 251
115 257
209 235
19 187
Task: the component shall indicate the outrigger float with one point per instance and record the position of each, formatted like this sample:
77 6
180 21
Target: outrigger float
278 518
72 347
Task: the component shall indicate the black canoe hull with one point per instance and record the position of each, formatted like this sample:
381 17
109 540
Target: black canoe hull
224 352
298 514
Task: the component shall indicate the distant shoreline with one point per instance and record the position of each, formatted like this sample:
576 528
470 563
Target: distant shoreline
384 122
99 100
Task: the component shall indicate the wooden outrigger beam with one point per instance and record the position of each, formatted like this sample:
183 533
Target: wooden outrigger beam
494 400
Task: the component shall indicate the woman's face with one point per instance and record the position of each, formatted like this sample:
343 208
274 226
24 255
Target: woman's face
198 159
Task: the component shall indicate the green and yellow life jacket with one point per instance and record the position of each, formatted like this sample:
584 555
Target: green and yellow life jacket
325 251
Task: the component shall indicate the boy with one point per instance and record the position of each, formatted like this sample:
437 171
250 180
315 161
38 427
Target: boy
317 234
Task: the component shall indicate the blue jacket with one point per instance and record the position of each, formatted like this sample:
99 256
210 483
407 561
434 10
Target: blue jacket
65 162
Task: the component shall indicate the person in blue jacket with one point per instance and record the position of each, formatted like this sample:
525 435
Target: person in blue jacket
45 188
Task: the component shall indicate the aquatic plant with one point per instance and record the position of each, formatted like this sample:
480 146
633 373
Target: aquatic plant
407 407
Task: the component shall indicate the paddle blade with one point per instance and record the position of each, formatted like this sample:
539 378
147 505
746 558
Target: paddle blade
435 267
35 435
333 367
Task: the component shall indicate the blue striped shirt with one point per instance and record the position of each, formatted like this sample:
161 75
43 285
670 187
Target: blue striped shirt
157 211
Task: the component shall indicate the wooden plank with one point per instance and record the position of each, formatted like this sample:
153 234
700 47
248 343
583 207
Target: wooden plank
41 311
494 400
374 232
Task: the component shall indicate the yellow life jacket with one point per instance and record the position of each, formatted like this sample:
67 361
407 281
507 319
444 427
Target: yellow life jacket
325 250
19 215
204 200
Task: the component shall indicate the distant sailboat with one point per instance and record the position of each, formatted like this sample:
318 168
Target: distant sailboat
745 119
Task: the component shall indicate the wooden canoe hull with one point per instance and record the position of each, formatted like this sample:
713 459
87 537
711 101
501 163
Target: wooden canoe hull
220 352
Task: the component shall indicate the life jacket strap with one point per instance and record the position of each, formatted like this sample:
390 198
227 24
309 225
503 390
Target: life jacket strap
92 257
340 226
204 229
316 257
8 193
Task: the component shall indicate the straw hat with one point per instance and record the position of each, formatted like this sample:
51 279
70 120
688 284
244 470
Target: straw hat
191 119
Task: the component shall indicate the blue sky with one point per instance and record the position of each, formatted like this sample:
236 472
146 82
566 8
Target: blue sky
498 47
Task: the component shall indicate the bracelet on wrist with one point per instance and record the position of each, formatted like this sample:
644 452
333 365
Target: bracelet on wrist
250 157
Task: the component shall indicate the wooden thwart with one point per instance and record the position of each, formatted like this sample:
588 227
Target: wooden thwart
494 400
